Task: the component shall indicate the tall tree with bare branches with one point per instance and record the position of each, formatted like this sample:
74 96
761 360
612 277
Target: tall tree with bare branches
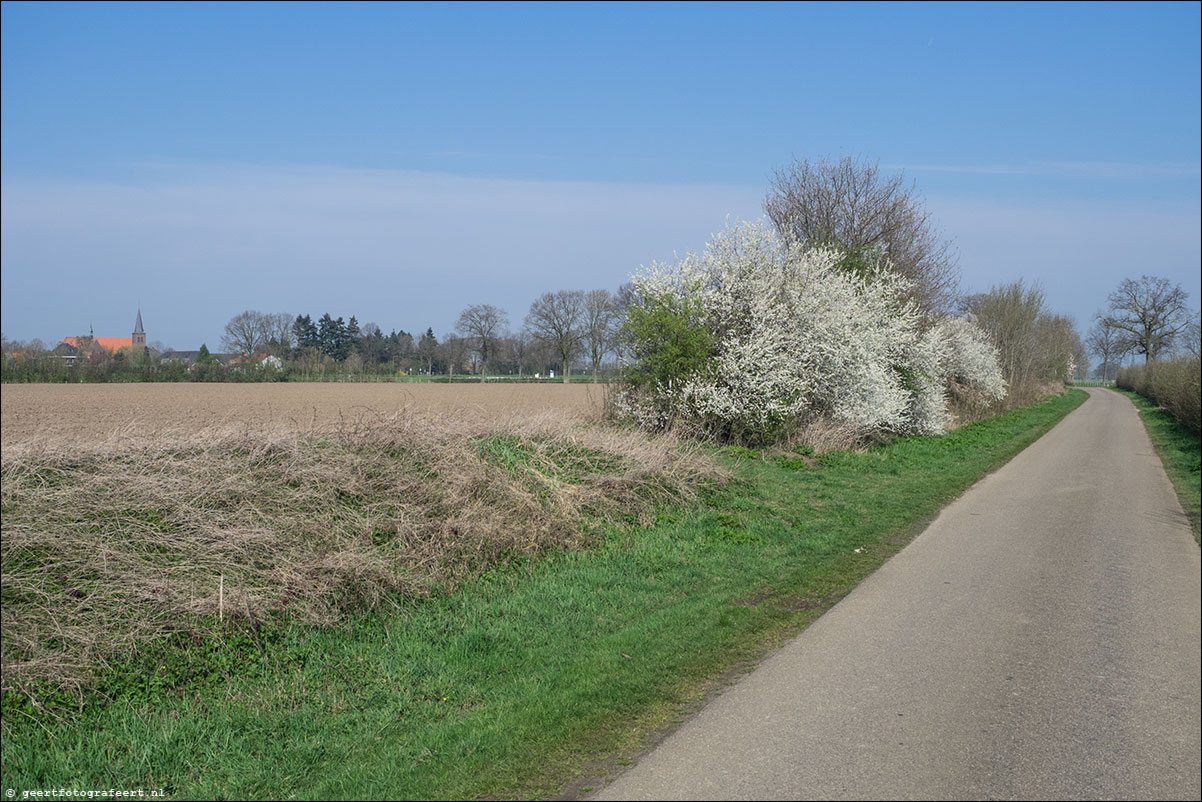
1107 343
600 312
851 206
1150 313
555 319
519 349
278 335
245 333
455 351
482 325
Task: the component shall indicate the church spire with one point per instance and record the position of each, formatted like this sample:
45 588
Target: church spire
137 340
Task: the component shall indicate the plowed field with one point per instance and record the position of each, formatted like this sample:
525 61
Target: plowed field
89 412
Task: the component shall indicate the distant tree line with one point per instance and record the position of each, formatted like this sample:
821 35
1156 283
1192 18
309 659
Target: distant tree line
563 332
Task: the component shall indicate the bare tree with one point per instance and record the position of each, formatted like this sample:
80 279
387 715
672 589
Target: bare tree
252 332
245 333
519 348
1008 314
849 205
482 325
626 297
1080 354
1107 343
1034 345
455 350
278 334
1150 312
554 318
1191 338
598 317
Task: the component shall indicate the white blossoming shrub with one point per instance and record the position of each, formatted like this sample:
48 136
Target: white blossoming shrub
924 373
753 337
971 358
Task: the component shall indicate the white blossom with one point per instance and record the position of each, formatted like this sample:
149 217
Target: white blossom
971 358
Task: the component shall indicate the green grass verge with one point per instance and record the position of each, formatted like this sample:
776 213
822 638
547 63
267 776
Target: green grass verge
1181 454
528 680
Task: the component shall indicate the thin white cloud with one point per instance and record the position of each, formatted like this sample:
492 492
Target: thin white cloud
970 169
1085 169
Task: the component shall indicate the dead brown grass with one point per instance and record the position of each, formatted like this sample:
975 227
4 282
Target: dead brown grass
821 435
112 543
967 405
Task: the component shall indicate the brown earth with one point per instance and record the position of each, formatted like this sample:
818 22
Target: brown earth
94 412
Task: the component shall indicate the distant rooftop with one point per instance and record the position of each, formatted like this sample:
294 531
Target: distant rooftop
113 344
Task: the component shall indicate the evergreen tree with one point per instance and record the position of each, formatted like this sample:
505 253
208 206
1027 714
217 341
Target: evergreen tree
332 336
306 333
353 337
341 340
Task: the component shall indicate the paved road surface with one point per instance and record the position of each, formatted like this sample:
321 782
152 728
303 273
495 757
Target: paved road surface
1039 641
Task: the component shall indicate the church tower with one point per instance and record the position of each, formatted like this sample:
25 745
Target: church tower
138 339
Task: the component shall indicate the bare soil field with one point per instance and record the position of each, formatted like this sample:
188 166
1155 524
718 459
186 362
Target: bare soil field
94 412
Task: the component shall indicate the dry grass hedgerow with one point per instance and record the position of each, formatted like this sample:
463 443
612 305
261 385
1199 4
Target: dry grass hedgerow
109 545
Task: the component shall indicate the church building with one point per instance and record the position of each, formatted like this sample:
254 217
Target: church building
71 347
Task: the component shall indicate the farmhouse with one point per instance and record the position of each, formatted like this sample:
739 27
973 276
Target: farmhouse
172 355
71 347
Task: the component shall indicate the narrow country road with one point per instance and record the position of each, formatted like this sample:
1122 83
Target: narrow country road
1040 640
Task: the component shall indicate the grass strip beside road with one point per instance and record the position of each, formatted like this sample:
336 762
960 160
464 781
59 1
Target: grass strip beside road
532 678
1181 454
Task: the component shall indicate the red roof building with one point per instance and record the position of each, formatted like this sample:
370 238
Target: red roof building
70 346
110 344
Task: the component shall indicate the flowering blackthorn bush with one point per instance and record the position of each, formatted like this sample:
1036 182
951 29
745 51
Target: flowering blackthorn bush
755 337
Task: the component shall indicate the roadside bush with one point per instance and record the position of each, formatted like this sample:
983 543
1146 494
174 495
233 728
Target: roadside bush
1038 351
755 339
1176 386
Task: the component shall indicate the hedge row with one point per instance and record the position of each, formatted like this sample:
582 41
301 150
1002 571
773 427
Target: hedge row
1176 386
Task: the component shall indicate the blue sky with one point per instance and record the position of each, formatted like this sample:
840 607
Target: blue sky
399 162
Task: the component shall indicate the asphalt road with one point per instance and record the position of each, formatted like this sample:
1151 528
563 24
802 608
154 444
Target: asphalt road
1040 640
